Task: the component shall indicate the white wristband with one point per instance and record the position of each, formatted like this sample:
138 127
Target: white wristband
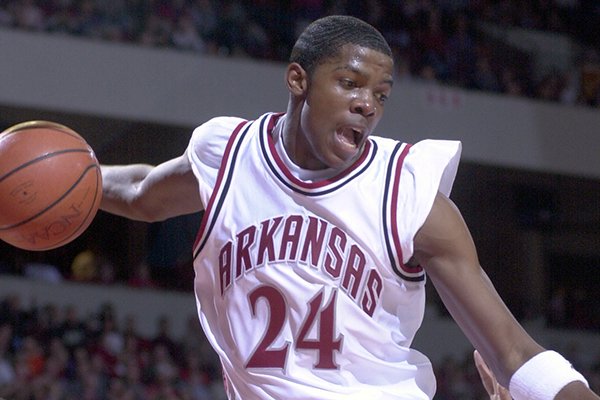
542 377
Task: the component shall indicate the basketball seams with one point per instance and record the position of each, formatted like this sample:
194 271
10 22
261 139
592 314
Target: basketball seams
24 143
42 158
54 203
85 222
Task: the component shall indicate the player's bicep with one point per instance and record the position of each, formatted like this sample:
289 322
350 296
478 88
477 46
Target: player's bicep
445 237
170 189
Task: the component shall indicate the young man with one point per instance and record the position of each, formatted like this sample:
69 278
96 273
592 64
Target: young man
311 257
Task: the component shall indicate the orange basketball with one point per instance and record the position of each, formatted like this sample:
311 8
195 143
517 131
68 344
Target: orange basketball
50 185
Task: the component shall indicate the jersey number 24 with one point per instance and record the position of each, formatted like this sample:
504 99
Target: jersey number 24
265 356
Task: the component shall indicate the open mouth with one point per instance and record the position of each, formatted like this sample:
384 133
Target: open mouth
349 136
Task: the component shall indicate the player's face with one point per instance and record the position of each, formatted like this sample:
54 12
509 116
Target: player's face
344 103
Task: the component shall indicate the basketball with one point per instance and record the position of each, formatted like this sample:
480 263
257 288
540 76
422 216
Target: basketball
50 185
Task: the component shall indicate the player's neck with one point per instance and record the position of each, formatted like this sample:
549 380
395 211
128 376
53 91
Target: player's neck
283 149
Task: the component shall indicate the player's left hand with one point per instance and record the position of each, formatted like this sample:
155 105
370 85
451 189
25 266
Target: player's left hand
491 385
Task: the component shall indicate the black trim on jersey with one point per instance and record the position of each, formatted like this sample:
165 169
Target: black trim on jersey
225 187
388 244
265 150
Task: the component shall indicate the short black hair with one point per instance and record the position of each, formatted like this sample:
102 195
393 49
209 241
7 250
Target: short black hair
324 38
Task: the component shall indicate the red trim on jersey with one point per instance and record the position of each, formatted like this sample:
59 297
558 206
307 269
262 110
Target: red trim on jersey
222 168
394 213
273 121
319 184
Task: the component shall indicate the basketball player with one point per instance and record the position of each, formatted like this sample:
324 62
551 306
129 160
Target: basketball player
311 257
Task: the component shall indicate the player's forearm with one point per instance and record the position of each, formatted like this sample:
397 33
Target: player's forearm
120 188
576 390
151 193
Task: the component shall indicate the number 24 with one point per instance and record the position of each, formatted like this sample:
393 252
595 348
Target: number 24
264 356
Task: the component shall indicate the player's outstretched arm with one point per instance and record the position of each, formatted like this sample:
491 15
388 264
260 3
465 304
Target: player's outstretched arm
150 193
445 249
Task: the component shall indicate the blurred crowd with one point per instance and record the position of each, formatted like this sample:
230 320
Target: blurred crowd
95 267
438 40
54 353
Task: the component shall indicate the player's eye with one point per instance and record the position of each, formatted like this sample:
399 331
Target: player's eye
381 97
348 83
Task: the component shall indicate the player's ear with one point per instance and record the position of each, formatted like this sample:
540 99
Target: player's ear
296 79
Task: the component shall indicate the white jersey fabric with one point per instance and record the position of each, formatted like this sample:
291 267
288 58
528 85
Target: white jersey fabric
302 286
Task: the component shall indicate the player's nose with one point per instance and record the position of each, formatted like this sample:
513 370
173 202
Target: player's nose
364 104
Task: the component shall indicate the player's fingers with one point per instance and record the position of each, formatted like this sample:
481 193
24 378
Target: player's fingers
487 378
491 385
503 393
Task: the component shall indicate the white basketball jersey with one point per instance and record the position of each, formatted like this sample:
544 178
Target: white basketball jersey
302 286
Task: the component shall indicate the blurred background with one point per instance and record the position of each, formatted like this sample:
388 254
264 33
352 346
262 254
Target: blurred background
112 314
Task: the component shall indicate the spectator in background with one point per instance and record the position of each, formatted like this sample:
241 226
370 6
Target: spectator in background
7 372
269 29
228 35
195 378
6 16
204 16
460 51
72 331
194 342
83 267
110 344
164 371
431 39
48 321
141 277
590 78
484 76
42 271
18 387
118 23
163 336
185 36
550 86
93 267
510 82
107 274
87 21
28 16
156 32
32 356
51 383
